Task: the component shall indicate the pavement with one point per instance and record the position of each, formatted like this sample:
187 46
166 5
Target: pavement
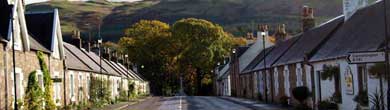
199 103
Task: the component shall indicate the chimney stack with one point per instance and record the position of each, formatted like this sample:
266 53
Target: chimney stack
281 34
350 7
308 20
76 39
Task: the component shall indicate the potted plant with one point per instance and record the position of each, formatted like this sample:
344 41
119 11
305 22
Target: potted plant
327 105
336 97
259 96
284 100
361 99
301 94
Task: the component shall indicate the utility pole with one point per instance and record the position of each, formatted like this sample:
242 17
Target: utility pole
386 57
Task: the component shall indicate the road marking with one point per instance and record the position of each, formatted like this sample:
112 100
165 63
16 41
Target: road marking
180 103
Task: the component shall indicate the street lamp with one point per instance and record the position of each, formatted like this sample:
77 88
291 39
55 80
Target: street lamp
263 33
142 66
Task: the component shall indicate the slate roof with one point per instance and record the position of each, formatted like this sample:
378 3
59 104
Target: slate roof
132 73
127 71
105 66
5 13
117 68
40 25
84 58
309 41
240 51
277 51
363 31
34 45
75 63
250 54
258 59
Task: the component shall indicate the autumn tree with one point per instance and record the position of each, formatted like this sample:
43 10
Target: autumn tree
199 44
190 48
146 43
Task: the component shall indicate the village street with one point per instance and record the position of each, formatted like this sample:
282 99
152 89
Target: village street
187 103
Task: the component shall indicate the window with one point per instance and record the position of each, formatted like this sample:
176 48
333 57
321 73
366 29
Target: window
19 83
71 86
276 78
287 82
40 79
57 89
299 77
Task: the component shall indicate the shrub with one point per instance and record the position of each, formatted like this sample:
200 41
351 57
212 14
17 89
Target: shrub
361 98
327 105
284 100
301 93
34 94
259 96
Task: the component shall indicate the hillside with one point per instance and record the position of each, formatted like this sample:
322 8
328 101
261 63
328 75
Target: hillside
236 16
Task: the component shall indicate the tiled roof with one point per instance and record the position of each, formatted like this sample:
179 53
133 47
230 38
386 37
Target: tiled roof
40 25
257 60
84 58
118 69
363 31
73 62
240 51
34 45
250 54
129 72
277 51
105 66
309 41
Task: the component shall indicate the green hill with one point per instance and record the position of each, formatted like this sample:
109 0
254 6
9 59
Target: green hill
236 16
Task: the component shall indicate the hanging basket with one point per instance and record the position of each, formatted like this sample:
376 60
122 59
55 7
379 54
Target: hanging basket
376 70
329 72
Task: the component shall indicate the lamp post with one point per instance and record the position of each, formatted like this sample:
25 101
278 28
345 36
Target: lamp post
235 75
263 33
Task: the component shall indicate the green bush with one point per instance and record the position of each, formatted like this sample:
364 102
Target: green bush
34 94
100 92
301 94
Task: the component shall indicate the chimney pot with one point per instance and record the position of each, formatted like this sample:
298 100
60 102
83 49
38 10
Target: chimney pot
307 18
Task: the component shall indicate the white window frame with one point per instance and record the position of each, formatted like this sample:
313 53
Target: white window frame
40 73
299 74
57 89
20 91
276 78
71 88
286 81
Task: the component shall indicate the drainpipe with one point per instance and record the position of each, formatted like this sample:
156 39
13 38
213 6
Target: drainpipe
6 76
65 70
306 62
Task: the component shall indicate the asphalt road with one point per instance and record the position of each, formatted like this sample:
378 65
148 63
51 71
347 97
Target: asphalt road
186 103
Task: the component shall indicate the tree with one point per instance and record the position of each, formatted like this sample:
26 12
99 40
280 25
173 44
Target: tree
146 43
199 44
191 47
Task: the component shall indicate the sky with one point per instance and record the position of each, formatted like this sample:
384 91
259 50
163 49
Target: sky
37 1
